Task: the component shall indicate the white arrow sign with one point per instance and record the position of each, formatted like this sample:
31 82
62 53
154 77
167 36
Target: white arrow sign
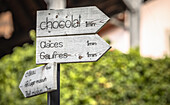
65 49
39 80
70 21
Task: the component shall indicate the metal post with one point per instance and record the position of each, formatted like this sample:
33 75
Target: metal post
53 98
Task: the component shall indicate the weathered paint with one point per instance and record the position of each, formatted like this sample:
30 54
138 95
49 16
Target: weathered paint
39 80
70 21
66 49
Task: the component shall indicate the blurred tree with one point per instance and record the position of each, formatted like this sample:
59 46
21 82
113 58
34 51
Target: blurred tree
116 79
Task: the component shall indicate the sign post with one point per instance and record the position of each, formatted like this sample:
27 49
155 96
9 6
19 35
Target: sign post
72 21
66 49
53 98
39 80
65 36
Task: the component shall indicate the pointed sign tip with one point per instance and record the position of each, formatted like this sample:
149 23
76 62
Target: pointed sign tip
70 21
39 80
79 48
104 52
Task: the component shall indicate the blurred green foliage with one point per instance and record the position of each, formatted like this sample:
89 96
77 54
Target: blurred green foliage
116 79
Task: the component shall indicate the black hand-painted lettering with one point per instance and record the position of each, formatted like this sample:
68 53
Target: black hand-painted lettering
49 44
71 22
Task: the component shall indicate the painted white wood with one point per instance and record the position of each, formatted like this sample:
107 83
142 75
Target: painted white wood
39 80
65 49
70 21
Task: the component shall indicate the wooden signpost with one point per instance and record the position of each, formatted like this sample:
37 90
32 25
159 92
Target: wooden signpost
83 20
64 36
39 80
64 49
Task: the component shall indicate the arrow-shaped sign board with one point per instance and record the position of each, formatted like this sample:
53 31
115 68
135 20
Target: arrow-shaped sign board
70 21
39 80
65 49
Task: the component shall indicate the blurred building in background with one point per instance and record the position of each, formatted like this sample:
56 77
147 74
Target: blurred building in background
154 30
6 24
20 18
17 18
